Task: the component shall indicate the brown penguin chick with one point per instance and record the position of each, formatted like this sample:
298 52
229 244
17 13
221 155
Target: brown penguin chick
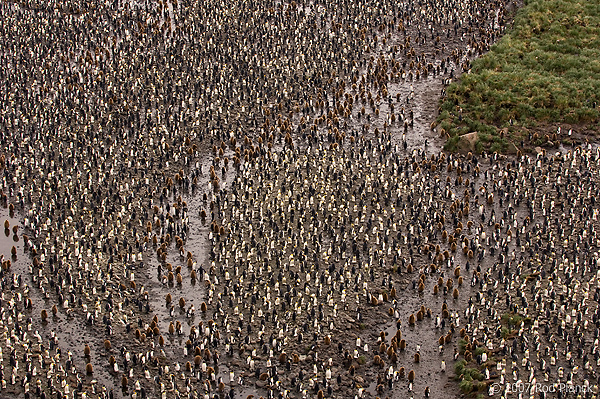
411 375
441 341
409 268
448 338
327 340
197 360
398 335
390 351
377 360
460 280
391 311
54 310
87 351
401 372
393 293
457 271
203 307
124 381
44 315
374 301
451 239
168 299
411 319
468 356
382 347
107 345
455 293
181 303
421 286
402 344
435 290
89 369
420 315
171 328
161 340
6 224
417 357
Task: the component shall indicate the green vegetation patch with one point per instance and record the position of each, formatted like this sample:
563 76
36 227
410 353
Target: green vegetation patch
545 70
470 379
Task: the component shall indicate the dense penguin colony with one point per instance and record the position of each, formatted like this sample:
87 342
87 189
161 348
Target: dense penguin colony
243 200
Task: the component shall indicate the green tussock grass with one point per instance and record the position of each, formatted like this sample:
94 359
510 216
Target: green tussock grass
512 320
546 69
469 378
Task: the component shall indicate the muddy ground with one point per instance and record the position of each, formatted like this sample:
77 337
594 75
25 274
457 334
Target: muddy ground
131 292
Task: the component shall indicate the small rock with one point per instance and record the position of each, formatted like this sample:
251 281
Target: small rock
467 142
261 384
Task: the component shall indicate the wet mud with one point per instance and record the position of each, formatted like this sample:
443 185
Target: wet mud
234 209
